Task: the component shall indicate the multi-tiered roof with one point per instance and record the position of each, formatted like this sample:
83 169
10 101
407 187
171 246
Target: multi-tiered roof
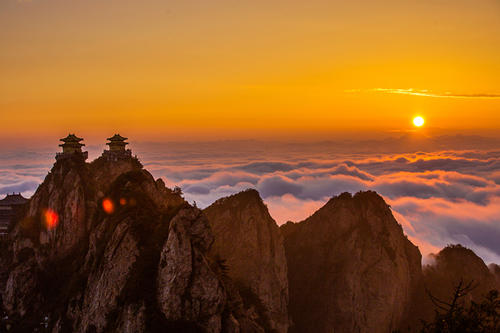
117 142
71 146
117 149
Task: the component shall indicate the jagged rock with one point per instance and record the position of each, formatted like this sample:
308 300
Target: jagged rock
65 191
141 266
133 319
105 285
351 269
250 243
21 294
188 289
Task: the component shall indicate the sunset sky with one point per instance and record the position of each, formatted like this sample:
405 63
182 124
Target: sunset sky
158 69
301 100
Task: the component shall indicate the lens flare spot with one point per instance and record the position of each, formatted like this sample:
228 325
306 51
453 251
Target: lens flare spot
123 201
51 218
108 206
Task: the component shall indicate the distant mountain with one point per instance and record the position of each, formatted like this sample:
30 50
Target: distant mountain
450 266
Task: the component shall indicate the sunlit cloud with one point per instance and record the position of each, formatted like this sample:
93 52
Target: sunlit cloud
439 197
428 93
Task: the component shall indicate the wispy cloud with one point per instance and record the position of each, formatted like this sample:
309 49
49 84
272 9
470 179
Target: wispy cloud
429 93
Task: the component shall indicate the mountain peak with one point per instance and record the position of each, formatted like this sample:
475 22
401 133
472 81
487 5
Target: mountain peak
350 255
250 243
248 196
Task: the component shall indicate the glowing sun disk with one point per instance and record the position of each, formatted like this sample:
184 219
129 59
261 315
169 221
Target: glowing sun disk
418 121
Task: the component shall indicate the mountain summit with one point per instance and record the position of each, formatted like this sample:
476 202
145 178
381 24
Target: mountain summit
249 240
350 267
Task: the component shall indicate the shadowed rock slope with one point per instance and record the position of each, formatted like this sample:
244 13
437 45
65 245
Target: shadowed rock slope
251 245
350 268
70 266
451 265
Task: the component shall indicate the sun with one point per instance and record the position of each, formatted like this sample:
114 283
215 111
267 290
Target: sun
418 121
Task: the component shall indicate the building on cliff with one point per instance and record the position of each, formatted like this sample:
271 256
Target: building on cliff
117 149
71 146
8 208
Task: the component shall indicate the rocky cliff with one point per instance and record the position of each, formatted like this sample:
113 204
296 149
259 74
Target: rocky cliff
350 268
251 245
103 247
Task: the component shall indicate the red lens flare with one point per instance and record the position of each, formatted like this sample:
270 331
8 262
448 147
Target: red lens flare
51 218
108 206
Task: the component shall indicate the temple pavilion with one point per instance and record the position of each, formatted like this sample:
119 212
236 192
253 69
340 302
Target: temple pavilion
117 149
71 146
8 209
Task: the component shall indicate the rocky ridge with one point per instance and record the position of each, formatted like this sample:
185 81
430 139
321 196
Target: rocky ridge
104 247
138 263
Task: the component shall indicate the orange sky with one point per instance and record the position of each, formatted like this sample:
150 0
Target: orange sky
225 69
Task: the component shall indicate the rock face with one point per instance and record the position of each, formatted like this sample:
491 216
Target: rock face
251 245
184 270
106 248
350 268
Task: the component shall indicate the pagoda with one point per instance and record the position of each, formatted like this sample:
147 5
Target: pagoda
117 149
71 146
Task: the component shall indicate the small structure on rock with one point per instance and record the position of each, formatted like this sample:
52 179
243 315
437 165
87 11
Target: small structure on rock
117 149
71 146
8 208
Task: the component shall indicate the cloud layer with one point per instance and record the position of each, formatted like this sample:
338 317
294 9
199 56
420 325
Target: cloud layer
439 197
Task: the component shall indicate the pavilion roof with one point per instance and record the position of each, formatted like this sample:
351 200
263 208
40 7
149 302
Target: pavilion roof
71 138
117 137
13 199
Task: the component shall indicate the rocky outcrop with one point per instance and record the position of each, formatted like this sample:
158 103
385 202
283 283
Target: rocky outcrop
119 252
350 267
105 284
188 288
249 242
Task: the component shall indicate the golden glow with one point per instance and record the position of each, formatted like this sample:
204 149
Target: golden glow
197 69
418 121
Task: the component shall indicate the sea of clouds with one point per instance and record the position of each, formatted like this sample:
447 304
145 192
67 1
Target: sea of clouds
439 196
